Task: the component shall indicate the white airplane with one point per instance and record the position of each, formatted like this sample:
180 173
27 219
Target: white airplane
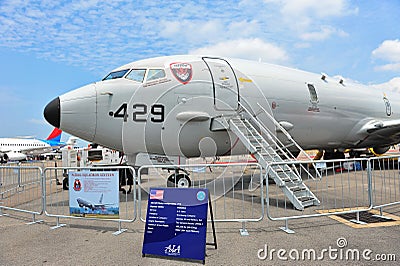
17 149
93 206
195 106
71 143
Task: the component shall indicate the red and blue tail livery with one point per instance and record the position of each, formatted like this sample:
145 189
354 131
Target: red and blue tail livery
54 138
55 135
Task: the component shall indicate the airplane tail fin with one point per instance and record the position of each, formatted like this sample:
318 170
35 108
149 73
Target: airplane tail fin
55 135
101 199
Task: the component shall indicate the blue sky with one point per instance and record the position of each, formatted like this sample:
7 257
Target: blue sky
50 47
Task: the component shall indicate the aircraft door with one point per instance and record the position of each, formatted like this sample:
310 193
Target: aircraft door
225 85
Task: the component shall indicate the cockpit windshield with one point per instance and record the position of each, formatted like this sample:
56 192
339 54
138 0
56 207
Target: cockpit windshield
155 74
136 75
116 74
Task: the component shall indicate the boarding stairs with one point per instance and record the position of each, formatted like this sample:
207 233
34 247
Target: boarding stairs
273 156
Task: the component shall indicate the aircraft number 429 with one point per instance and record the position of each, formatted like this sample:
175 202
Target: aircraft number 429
140 111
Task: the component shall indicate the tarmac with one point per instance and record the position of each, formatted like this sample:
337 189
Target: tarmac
83 242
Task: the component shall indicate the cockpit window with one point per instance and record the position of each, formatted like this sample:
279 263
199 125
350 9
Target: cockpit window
116 74
155 74
136 75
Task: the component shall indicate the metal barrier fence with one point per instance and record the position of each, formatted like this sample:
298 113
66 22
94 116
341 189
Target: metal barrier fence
21 190
56 198
344 187
228 185
385 183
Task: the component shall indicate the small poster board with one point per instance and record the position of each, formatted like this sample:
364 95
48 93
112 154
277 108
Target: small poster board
94 194
176 223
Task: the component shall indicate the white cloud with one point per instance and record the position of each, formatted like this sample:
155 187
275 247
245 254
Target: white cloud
392 85
324 33
316 8
388 51
100 35
252 49
199 31
310 18
388 67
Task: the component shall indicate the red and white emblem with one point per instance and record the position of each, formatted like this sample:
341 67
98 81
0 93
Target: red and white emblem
77 185
182 72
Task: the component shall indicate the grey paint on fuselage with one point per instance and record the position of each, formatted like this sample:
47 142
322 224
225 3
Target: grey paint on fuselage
342 116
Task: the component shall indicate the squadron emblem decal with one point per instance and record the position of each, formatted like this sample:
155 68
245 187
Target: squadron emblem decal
387 104
182 72
77 185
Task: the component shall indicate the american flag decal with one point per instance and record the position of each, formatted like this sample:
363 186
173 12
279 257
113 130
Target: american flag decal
157 194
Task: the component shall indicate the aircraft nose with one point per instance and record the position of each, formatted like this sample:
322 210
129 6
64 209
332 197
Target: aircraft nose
52 112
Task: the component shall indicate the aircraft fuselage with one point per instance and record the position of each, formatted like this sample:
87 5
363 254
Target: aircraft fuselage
174 106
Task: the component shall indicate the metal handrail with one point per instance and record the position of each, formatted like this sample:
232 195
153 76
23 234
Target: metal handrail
279 145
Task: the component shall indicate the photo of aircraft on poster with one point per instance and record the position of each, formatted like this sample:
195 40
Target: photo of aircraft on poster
94 194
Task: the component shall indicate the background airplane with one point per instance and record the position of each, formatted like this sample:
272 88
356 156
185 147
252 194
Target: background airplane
93 206
17 149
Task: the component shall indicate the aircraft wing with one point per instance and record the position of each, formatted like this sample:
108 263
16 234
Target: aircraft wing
30 151
37 151
381 130
104 204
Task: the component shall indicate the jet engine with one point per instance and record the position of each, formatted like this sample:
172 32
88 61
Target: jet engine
3 157
13 156
379 150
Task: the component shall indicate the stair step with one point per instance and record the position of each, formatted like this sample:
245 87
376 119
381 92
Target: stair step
302 193
297 189
269 154
310 202
293 179
305 198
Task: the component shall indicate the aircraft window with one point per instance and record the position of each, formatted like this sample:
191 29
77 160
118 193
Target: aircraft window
313 93
116 74
136 75
155 74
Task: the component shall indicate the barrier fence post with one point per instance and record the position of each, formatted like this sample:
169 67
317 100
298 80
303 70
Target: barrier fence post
357 220
369 178
58 225
380 215
286 227
244 231
120 229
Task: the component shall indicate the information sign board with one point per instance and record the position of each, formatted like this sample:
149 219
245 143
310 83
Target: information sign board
94 194
176 223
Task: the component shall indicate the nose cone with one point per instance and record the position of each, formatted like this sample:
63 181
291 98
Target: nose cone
52 112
